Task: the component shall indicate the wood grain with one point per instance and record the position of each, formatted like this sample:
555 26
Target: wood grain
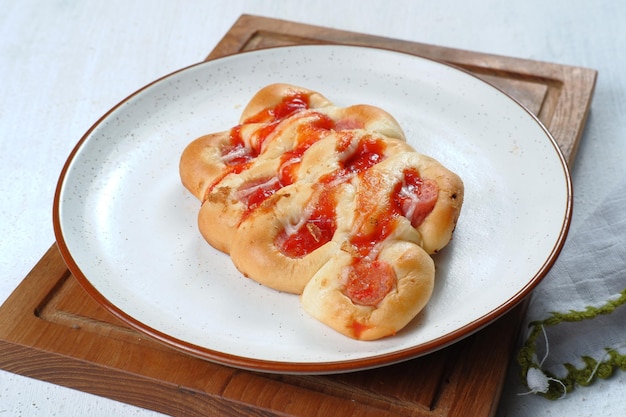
50 329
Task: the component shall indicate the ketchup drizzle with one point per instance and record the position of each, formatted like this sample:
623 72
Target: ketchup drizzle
272 116
369 279
237 157
320 227
414 197
317 230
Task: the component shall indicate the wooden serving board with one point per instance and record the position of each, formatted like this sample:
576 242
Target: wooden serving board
50 329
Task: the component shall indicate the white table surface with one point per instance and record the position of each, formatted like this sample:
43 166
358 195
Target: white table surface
63 64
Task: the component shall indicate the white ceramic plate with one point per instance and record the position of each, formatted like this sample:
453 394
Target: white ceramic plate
127 228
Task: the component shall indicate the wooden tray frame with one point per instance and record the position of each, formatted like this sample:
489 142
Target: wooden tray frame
51 330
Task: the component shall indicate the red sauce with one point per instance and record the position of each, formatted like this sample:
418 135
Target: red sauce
358 328
253 193
318 229
369 282
344 140
415 197
289 164
236 152
272 116
289 105
364 241
233 169
307 135
238 157
369 152
375 221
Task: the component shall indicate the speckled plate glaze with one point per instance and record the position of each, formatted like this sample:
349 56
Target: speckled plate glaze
127 228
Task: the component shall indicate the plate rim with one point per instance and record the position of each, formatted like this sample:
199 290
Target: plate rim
317 367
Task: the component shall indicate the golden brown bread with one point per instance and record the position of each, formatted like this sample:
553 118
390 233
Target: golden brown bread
328 202
254 250
325 298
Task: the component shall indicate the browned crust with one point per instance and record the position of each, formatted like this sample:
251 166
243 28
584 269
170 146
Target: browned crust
200 163
436 229
254 251
273 94
324 296
369 118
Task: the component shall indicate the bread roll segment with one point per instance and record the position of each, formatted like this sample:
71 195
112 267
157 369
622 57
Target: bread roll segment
327 202
201 163
256 253
267 99
224 205
437 227
325 298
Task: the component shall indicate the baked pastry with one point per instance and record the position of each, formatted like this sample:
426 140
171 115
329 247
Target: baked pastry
328 202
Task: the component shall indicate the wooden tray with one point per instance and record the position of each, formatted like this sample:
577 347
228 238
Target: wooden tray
50 329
